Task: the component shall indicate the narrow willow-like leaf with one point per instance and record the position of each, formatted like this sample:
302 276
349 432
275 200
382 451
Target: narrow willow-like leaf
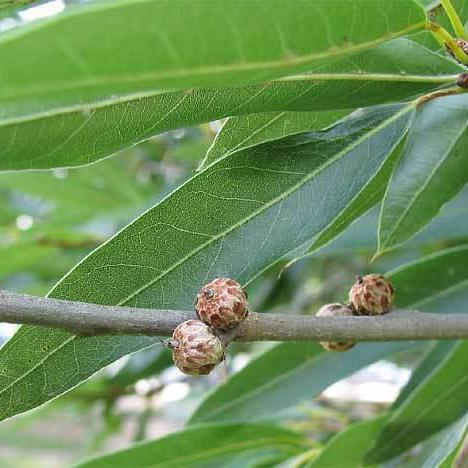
223 445
371 194
432 170
150 44
40 135
235 218
440 400
431 361
448 446
450 225
283 377
347 448
437 451
238 133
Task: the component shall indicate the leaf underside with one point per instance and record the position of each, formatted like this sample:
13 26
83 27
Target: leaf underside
261 193
41 135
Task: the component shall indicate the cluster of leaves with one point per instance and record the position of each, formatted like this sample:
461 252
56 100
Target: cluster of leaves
334 113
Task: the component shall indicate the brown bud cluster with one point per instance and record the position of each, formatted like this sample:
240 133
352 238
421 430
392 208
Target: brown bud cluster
335 310
371 295
222 304
196 350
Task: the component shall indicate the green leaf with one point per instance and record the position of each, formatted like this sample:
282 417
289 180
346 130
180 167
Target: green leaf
250 130
75 133
284 376
412 292
437 451
347 448
148 44
208 446
432 359
448 446
251 201
451 226
440 399
396 59
46 363
432 170
371 194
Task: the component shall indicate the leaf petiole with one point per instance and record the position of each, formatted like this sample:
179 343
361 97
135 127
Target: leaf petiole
445 39
452 14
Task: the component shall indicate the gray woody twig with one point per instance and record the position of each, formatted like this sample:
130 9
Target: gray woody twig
91 319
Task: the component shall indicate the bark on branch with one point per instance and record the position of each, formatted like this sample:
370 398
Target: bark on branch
92 319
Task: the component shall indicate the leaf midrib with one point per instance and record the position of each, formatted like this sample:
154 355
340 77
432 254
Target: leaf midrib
333 51
134 97
314 247
40 363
